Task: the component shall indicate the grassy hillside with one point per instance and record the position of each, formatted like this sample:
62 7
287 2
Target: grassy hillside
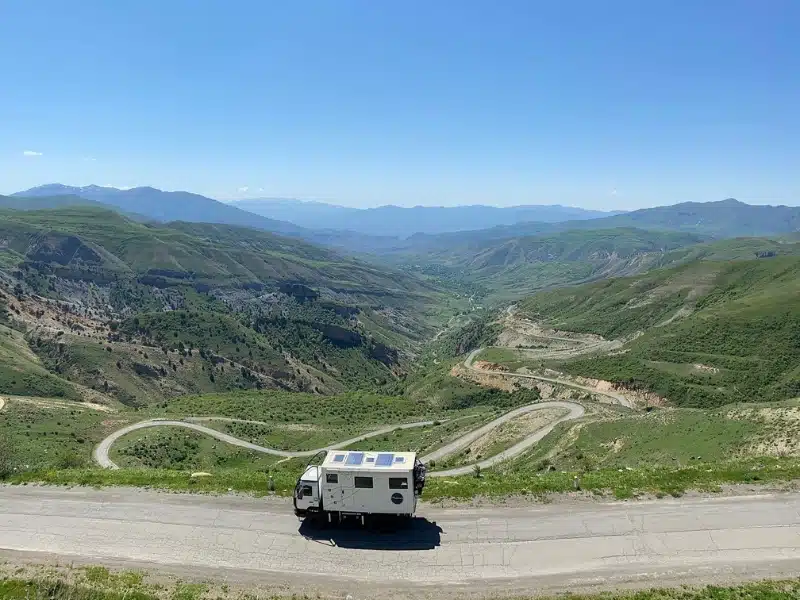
746 248
86 238
702 334
511 268
674 437
120 306
22 372
44 202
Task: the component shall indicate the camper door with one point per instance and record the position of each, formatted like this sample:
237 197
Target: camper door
347 487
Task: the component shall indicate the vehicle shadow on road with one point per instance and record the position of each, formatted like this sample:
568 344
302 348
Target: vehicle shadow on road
414 534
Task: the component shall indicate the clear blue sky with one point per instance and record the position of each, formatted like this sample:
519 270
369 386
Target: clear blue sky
602 104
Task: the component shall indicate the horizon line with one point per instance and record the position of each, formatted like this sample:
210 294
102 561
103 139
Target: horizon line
333 203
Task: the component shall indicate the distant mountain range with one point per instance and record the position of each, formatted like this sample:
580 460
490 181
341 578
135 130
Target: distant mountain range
402 222
417 230
723 219
165 206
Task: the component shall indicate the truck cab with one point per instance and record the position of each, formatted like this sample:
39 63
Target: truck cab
307 493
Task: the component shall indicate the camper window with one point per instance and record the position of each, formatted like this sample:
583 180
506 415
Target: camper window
332 477
363 482
398 483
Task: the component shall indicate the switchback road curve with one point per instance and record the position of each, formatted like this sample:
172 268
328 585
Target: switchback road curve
615 398
575 411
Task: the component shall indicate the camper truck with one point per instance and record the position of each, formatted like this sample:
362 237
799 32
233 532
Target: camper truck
358 484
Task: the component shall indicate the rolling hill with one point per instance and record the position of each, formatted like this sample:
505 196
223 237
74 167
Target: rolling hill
511 268
745 248
91 238
705 333
45 202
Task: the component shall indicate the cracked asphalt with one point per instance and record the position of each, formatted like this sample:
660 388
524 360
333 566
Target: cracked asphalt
553 547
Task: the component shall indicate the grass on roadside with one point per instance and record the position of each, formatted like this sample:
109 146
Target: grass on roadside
44 433
621 483
99 583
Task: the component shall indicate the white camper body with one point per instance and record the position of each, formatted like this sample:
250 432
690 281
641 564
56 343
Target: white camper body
361 483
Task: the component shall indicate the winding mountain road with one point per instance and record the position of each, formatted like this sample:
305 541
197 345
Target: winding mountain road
444 553
616 398
101 457
575 411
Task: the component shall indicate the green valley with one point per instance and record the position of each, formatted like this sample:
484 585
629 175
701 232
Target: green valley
109 321
510 268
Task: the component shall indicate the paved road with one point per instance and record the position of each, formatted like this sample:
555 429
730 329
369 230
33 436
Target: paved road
512 550
101 457
616 398
574 411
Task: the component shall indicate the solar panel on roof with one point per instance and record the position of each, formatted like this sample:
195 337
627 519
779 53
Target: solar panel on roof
384 460
338 458
355 458
399 459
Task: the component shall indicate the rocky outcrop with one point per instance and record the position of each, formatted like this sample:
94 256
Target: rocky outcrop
341 336
146 370
299 291
62 250
386 354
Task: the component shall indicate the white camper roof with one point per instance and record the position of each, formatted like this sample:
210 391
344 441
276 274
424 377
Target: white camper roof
352 460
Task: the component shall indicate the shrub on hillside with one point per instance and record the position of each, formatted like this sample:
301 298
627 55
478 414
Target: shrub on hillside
7 458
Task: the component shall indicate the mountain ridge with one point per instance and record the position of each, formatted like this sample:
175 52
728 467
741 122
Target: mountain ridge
703 333
737 220
166 206
719 219
392 220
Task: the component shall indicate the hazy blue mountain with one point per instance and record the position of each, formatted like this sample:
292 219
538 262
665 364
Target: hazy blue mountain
403 222
392 230
723 219
166 206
